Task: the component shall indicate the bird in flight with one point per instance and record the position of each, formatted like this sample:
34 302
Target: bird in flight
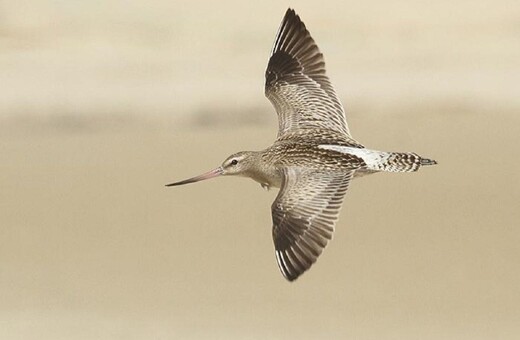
314 157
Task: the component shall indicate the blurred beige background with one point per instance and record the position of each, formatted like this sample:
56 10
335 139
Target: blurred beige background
102 103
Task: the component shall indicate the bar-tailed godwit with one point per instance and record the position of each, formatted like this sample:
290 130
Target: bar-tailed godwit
314 157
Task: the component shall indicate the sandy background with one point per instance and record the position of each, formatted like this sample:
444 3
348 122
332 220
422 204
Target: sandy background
101 104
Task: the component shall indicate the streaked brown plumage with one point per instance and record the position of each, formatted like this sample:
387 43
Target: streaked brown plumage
314 157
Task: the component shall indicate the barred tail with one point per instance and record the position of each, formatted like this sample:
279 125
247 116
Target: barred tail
404 162
426 161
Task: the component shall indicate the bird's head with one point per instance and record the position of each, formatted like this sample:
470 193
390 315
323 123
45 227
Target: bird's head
236 164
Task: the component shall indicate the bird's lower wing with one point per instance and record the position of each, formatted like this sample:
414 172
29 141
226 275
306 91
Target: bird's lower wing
304 215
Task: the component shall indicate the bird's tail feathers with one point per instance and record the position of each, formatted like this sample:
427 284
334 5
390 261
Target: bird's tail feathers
403 162
383 161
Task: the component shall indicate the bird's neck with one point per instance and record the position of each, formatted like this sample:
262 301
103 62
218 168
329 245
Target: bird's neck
264 172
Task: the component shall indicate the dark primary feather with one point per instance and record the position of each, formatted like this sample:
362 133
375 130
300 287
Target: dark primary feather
304 215
297 85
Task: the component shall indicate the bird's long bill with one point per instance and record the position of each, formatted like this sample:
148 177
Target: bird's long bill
210 174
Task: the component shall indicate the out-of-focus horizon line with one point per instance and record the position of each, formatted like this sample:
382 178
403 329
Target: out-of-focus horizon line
162 58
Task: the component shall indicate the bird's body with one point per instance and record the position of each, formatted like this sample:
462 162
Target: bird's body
314 157
299 151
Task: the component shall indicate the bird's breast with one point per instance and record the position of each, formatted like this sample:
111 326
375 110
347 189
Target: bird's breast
267 176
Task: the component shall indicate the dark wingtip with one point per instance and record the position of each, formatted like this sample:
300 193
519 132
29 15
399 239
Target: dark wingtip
290 14
291 278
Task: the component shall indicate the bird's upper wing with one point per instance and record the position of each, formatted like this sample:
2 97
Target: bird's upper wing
304 214
296 83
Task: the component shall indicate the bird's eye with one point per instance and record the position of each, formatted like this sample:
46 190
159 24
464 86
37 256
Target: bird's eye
234 162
